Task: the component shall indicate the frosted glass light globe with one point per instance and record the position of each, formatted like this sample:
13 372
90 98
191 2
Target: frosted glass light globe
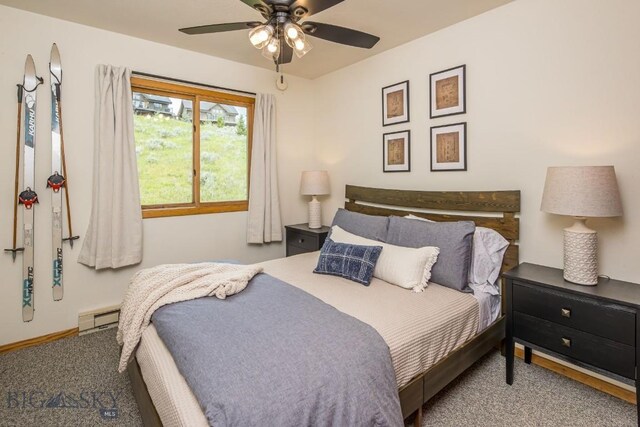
260 36
273 46
292 31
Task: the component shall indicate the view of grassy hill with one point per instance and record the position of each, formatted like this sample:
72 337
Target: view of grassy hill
164 150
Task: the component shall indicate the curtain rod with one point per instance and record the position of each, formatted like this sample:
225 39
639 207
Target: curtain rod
155 76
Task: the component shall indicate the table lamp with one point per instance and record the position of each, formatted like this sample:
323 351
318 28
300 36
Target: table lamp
314 183
581 192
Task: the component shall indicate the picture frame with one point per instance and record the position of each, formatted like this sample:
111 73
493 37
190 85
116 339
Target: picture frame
449 147
395 103
447 96
396 151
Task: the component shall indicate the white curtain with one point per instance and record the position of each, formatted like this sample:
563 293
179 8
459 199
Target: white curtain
114 236
264 224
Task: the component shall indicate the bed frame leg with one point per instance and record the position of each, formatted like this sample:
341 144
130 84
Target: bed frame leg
417 421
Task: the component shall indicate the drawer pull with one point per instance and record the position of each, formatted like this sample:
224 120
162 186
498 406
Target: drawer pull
566 342
566 312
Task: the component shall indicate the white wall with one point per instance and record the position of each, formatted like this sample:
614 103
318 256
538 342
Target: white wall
203 237
548 83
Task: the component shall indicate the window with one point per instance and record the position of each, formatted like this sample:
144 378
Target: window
188 166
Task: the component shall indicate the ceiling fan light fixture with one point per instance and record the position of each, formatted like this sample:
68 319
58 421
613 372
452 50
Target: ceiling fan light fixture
261 36
292 30
284 29
293 34
302 47
273 46
272 49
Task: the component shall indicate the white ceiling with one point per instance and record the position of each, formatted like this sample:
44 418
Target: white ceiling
394 21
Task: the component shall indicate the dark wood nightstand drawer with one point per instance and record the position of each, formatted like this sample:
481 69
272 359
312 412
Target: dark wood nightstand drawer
605 320
591 349
296 250
304 241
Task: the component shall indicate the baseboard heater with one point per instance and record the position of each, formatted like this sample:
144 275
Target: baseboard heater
97 320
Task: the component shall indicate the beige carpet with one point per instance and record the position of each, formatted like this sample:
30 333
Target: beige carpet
73 382
538 397
70 382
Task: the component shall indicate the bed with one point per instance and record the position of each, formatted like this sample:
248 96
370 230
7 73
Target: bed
422 367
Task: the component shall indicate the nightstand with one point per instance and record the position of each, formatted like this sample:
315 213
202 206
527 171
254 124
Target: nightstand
595 327
302 239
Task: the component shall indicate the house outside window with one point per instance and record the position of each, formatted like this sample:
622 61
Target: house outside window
191 167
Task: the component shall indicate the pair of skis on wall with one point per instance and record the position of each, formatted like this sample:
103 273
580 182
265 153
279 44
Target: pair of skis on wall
27 92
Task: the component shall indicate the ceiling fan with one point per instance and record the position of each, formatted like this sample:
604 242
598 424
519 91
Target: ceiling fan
282 33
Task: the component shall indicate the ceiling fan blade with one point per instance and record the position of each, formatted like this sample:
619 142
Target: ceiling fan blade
313 6
286 53
219 28
340 35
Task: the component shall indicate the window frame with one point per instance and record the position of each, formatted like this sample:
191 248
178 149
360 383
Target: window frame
196 95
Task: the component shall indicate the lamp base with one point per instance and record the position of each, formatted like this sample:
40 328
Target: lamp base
581 254
315 213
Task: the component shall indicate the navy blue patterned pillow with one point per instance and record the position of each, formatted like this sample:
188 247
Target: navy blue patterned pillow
353 262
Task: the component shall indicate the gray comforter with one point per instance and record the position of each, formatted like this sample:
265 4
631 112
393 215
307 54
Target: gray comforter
274 355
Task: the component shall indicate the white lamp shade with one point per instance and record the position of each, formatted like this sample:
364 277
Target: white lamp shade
581 191
314 183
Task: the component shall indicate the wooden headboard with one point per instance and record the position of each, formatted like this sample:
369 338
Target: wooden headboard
498 209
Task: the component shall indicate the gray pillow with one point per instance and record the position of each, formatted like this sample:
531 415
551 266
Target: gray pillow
369 226
455 240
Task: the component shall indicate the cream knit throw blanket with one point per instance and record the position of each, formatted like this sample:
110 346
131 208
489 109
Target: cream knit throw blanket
152 288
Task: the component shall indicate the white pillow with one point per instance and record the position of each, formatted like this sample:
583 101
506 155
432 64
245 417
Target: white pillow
486 260
409 268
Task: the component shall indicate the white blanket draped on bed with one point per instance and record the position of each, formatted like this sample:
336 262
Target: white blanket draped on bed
154 287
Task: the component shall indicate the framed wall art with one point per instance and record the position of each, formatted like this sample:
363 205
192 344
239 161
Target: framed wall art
448 92
395 104
396 151
449 147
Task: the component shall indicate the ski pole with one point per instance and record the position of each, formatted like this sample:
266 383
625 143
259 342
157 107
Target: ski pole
14 249
71 237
